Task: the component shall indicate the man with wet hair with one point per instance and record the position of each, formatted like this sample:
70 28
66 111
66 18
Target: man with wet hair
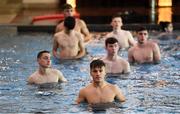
145 51
99 91
68 44
114 63
124 37
80 25
45 74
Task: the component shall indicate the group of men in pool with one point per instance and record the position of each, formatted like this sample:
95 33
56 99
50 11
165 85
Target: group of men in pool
69 43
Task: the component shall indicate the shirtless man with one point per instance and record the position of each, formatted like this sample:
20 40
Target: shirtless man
114 63
167 32
124 37
99 91
144 51
69 41
45 74
80 24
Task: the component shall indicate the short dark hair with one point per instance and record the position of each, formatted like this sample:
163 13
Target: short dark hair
69 22
140 28
66 6
110 40
97 64
116 16
41 52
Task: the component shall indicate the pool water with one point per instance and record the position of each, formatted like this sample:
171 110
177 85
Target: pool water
148 88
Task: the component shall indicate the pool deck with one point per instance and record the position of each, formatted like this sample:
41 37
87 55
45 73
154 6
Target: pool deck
22 22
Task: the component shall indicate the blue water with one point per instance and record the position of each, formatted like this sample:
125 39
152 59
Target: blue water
148 88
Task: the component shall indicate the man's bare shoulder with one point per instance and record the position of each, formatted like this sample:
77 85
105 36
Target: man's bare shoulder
112 86
86 88
54 70
32 78
59 35
104 59
122 60
60 24
127 32
109 34
77 33
35 74
151 43
80 21
132 48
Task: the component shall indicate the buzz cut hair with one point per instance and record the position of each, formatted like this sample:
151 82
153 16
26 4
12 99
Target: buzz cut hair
41 52
110 40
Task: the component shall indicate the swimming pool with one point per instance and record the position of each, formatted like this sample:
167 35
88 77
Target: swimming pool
148 88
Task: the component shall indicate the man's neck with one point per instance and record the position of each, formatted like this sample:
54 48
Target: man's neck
100 84
68 31
112 57
116 30
142 44
42 70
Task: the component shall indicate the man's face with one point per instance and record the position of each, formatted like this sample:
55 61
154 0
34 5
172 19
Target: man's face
45 60
112 49
142 36
68 12
116 22
169 28
98 74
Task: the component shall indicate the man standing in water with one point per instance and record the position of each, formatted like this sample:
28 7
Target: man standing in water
114 63
69 42
125 38
80 24
145 51
99 91
45 74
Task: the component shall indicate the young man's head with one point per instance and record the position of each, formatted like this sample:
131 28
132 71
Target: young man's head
97 70
116 22
142 35
67 10
69 22
166 26
44 59
112 45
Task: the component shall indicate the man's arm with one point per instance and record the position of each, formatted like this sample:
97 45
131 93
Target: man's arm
30 80
85 31
119 94
61 77
81 52
59 27
131 40
55 47
156 54
81 97
126 67
130 56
